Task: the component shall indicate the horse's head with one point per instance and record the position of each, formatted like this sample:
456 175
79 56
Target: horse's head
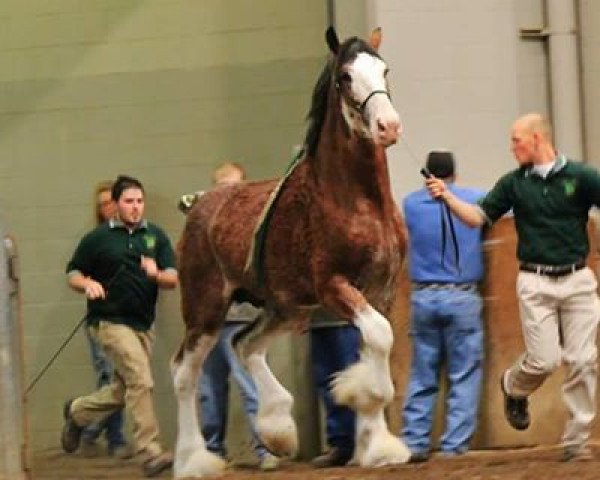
359 75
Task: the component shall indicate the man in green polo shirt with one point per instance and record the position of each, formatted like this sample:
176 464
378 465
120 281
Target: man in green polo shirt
559 307
119 266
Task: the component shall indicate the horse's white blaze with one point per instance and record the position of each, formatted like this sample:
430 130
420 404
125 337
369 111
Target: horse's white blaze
274 421
367 387
383 122
192 460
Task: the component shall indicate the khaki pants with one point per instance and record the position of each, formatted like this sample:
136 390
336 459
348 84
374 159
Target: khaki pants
559 317
132 385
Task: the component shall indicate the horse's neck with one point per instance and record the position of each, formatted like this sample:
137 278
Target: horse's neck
349 169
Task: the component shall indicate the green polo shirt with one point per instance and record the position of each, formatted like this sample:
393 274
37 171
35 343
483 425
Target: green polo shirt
111 255
551 213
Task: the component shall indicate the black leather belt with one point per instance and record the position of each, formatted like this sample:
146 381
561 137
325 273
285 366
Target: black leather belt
465 287
551 270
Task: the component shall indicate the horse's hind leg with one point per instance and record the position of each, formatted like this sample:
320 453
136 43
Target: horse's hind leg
202 316
366 386
274 422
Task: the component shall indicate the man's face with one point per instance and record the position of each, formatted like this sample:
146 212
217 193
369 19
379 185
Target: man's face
523 144
231 177
130 206
106 206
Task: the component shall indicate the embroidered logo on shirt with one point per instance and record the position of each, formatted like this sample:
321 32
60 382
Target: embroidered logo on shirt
570 187
150 241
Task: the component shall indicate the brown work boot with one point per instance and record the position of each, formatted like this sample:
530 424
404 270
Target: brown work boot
71 432
154 466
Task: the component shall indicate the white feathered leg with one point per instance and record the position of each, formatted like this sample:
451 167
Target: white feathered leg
274 421
367 388
375 445
192 460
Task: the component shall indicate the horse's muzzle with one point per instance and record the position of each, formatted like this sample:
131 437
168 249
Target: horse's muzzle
387 132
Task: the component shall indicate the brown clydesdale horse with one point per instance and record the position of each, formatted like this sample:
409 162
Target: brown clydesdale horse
334 240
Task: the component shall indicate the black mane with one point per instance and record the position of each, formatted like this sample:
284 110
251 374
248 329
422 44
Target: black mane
316 114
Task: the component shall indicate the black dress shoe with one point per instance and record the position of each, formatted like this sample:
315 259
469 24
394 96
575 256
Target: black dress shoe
333 458
418 457
515 409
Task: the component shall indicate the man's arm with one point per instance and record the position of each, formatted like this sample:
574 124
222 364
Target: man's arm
166 278
467 212
80 283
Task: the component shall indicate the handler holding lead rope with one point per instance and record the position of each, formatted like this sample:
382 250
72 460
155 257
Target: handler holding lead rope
550 197
119 266
445 321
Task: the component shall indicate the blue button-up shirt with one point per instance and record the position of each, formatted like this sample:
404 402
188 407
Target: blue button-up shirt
422 217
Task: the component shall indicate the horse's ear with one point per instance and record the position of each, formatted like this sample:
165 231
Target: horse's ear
375 38
332 40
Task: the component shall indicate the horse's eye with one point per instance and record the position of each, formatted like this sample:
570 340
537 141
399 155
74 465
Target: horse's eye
345 77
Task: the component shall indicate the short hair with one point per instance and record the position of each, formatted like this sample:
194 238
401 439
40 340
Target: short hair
123 182
104 186
441 163
538 123
226 169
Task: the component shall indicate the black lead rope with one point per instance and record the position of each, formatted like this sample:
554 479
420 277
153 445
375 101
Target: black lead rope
68 339
446 219
445 212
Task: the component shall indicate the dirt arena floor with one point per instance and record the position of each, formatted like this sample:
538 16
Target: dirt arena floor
523 464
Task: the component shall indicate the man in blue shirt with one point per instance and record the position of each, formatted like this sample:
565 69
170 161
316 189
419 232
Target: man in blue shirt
446 325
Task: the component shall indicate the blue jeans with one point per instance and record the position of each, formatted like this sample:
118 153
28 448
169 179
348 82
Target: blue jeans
445 329
214 393
332 350
112 425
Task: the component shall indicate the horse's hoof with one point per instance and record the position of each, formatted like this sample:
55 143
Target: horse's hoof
198 464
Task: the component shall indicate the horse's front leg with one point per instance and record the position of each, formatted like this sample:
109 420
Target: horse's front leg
367 386
192 459
274 422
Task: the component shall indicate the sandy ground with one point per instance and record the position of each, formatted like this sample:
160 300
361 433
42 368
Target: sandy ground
525 464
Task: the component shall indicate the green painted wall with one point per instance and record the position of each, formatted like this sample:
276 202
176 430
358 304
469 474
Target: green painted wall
159 89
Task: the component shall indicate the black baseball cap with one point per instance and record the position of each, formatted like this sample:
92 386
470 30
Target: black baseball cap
440 163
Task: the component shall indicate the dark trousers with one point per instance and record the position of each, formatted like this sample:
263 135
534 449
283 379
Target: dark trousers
333 349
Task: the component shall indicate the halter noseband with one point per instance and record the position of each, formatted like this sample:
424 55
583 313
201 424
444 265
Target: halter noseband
362 106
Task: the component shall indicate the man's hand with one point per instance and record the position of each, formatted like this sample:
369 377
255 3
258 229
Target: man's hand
148 265
436 186
93 290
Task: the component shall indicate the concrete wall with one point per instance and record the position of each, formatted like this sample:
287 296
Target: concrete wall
159 89
459 76
589 16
